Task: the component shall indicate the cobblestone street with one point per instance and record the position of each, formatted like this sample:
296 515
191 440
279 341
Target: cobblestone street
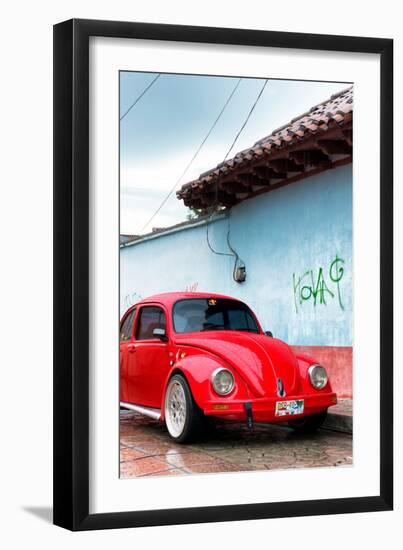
147 450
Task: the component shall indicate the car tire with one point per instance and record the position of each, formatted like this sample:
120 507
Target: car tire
308 424
184 420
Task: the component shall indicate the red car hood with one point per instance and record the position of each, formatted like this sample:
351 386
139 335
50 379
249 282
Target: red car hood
260 360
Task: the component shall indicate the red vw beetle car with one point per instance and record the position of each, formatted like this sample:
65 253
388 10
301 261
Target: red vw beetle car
187 356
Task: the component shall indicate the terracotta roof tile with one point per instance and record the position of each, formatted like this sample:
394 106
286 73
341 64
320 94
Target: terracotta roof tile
337 111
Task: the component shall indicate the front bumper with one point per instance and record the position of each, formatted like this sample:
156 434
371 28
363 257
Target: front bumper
264 409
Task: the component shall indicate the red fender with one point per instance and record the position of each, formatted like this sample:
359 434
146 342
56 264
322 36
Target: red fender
197 369
304 362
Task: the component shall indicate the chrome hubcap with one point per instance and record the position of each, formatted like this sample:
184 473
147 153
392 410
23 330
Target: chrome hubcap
175 408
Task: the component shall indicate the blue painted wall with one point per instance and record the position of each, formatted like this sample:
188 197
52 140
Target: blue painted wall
296 243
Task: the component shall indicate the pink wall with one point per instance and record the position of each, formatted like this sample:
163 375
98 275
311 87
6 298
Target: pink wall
338 361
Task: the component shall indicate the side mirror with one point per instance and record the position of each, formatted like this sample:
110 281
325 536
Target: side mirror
268 333
161 334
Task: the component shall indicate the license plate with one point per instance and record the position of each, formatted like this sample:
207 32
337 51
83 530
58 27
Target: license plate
286 408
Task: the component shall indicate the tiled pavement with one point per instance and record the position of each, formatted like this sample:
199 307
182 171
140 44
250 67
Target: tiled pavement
147 450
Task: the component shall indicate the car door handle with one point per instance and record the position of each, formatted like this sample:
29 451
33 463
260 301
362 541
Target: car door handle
132 349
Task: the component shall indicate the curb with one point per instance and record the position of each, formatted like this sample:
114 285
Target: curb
339 423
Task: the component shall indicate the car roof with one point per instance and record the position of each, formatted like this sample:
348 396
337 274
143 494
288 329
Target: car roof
169 298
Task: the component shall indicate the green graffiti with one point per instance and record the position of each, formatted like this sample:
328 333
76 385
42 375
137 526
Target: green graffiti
313 287
336 273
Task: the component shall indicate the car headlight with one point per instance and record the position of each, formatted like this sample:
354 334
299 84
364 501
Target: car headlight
222 381
318 376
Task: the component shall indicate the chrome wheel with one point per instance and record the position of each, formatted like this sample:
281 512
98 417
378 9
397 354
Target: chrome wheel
175 408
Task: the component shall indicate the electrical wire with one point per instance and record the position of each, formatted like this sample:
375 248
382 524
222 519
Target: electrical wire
234 253
194 156
209 243
140 96
247 119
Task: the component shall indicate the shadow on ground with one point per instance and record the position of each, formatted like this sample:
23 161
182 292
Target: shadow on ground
45 513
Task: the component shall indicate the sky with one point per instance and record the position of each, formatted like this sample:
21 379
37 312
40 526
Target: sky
162 132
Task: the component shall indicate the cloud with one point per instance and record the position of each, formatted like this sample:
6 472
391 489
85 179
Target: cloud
147 176
144 185
164 171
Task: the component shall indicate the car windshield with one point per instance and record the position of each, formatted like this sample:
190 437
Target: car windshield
201 314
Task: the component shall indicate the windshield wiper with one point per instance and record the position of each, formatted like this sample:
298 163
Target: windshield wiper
222 327
213 327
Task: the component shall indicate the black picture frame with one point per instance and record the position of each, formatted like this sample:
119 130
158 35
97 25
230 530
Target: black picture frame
71 274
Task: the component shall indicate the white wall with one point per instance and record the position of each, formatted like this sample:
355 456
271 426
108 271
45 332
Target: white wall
25 217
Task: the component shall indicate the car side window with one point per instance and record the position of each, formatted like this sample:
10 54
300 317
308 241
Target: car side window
151 317
127 327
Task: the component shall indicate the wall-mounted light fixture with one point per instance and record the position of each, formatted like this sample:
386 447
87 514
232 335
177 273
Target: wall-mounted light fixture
240 274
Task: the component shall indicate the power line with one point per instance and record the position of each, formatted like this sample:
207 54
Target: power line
140 96
233 252
247 119
195 155
209 244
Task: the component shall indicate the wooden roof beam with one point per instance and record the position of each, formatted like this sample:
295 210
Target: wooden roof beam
285 165
232 186
249 179
266 175
348 135
222 198
335 147
310 157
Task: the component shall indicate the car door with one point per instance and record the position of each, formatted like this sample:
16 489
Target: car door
126 335
148 362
